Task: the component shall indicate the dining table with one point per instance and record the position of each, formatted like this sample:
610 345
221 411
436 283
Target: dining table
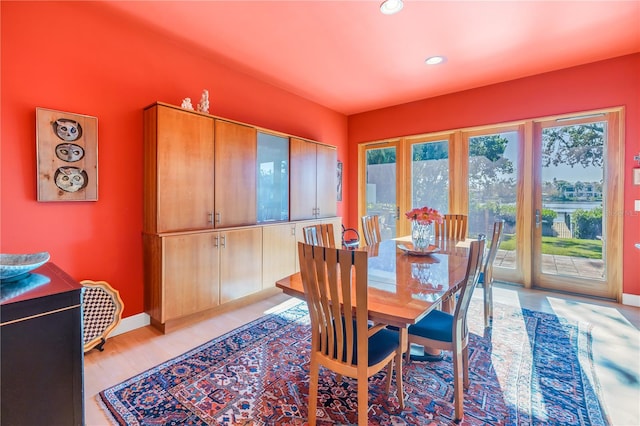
404 284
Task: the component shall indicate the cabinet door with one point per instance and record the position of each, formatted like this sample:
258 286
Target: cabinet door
191 266
235 185
326 181
303 179
240 263
273 178
278 253
179 173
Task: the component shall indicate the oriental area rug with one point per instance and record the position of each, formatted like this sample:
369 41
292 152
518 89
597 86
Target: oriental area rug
534 369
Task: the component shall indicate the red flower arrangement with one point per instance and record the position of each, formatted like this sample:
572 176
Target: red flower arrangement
424 215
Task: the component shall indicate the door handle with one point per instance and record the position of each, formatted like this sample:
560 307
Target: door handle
538 218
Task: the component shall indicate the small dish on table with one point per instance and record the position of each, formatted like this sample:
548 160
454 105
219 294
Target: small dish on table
409 249
15 267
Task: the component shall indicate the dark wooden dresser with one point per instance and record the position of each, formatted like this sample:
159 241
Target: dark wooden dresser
41 352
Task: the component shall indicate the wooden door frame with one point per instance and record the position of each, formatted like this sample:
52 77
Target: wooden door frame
362 179
613 206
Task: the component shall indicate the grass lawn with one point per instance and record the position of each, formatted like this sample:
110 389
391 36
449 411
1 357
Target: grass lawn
590 249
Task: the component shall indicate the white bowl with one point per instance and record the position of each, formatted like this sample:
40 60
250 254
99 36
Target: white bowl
14 267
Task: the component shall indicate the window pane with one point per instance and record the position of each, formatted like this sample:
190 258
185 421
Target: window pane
492 190
430 175
381 189
572 200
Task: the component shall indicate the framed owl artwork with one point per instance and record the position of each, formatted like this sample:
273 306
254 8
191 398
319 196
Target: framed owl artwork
67 151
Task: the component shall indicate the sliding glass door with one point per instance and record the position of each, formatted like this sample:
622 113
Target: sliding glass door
494 156
557 182
575 246
380 186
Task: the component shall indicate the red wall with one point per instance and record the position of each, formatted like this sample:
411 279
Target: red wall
614 82
80 57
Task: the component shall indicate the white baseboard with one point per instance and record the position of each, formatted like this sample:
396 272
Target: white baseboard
631 299
131 323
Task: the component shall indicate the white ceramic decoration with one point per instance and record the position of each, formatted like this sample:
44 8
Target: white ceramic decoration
186 104
203 105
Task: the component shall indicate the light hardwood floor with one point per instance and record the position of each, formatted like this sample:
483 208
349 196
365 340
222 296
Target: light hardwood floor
616 346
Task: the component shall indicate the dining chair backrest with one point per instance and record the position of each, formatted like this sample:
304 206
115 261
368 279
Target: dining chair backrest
329 275
371 229
496 238
474 266
486 279
453 226
320 235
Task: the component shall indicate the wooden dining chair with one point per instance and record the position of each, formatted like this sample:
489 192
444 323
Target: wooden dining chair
341 338
371 229
320 235
445 331
486 275
452 227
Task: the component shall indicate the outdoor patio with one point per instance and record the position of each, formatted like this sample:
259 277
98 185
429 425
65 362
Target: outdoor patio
557 264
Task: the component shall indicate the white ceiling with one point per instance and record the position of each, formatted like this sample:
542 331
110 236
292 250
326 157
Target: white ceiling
348 56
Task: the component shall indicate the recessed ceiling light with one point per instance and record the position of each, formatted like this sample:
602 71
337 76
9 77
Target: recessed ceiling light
389 7
434 60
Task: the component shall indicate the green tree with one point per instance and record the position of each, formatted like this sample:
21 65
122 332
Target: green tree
581 144
381 156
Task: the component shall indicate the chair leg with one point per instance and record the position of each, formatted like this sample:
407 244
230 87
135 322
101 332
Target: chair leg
458 394
389 374
363 399
314 372
488 303
465 367
399 378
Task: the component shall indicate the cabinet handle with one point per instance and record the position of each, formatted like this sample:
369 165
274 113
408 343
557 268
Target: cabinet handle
224 241
216 241
218 217
210 218
293 231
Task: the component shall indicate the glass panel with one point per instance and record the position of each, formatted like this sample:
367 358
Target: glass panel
273 178
492 190
572 200
381 189
430 175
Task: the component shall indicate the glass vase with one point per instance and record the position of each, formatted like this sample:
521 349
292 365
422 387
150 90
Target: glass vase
421 235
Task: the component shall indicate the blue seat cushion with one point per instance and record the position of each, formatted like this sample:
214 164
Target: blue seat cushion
437 325
381 344
481 278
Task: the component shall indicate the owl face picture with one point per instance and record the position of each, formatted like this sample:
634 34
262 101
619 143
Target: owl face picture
67 130
70 179
69 152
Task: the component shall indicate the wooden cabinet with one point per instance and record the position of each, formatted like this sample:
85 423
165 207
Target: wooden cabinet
313 180
202 245
194 272
279 247
42 351
191 279
235 174
240 263
178 170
